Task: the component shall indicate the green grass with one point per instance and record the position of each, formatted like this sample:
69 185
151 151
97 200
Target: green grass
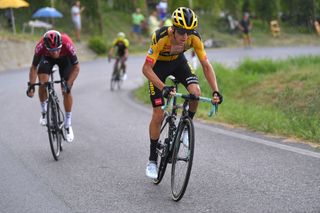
277 97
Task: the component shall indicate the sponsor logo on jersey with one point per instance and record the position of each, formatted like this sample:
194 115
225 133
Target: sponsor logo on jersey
158 101
150 60
151 89
150 51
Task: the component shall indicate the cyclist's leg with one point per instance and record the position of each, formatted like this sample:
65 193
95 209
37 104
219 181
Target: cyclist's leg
162 70
44 69
123 63
115 65
65 67
186 75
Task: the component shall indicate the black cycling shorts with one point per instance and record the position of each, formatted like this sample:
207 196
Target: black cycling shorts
179 68
64 63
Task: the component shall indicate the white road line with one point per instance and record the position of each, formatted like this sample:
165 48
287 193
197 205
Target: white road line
260 141
238 135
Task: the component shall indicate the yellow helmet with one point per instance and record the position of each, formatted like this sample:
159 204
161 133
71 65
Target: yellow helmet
184 18
121 35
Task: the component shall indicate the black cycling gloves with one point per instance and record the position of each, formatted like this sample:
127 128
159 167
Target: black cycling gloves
216 93
166 91
30 88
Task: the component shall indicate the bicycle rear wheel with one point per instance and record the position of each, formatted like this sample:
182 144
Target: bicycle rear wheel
53 128
163 149
182 159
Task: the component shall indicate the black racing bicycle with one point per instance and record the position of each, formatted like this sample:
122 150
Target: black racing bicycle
55 116
117 74
177 141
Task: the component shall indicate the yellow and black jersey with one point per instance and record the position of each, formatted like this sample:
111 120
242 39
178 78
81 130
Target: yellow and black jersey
123 41
161 48
121 44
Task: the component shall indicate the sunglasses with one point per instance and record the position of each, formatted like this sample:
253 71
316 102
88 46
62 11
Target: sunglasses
183 31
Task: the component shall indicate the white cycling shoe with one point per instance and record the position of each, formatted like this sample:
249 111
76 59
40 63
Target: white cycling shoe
43 119
69 134
125 76
152 170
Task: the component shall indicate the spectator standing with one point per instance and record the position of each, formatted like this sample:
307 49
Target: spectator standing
153 22
137 20
76 11
246 26
8 14
162 8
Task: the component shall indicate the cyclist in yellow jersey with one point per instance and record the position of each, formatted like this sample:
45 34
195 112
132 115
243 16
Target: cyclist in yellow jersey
121 44
166 57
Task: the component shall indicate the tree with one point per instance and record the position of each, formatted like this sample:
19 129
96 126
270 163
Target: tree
266 10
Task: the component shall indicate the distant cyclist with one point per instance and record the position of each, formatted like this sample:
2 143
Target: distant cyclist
121 45
166 57
55 48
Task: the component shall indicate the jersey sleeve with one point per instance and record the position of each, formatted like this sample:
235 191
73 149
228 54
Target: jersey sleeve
38 51
199 48
126 43
114 42
70 49
154 49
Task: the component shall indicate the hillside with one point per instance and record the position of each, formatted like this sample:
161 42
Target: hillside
18 53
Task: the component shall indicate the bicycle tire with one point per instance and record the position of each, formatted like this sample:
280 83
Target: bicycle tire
53 128
113 83
61 126
163 150
182 153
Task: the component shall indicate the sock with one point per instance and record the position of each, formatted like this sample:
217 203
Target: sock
44 106
67 121
153 150
191 114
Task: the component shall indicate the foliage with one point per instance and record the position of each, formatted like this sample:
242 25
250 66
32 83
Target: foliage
279 97
98 45
294 12
266 10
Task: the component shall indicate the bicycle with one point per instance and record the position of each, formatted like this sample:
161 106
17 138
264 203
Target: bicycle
55 116
171 148
117 74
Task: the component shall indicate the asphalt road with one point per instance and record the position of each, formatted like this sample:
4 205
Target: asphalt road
104 169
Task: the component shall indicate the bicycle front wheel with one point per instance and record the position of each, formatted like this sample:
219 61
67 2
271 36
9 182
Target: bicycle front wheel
182 158
53 128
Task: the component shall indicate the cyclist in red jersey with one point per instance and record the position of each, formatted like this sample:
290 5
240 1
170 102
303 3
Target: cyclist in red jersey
54 48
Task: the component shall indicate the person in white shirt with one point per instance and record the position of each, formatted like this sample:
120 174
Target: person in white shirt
76 11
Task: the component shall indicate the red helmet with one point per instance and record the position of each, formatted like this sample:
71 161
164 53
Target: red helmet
52 40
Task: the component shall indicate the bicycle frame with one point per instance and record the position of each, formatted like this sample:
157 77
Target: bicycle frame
170 144
117 73
55 116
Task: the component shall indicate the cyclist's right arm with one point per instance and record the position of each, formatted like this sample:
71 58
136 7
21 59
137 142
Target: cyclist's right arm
33 69
151 76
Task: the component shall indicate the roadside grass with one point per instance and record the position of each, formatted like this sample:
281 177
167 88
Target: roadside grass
278 97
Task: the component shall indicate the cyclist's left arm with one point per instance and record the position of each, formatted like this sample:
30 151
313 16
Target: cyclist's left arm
208 70
75 65
126 53
73 74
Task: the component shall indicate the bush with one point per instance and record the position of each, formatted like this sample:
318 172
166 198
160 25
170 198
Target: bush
98 45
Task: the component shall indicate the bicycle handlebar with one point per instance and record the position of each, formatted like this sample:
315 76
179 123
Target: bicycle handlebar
46 83
213 110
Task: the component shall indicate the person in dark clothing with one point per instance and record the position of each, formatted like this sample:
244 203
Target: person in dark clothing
245 26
